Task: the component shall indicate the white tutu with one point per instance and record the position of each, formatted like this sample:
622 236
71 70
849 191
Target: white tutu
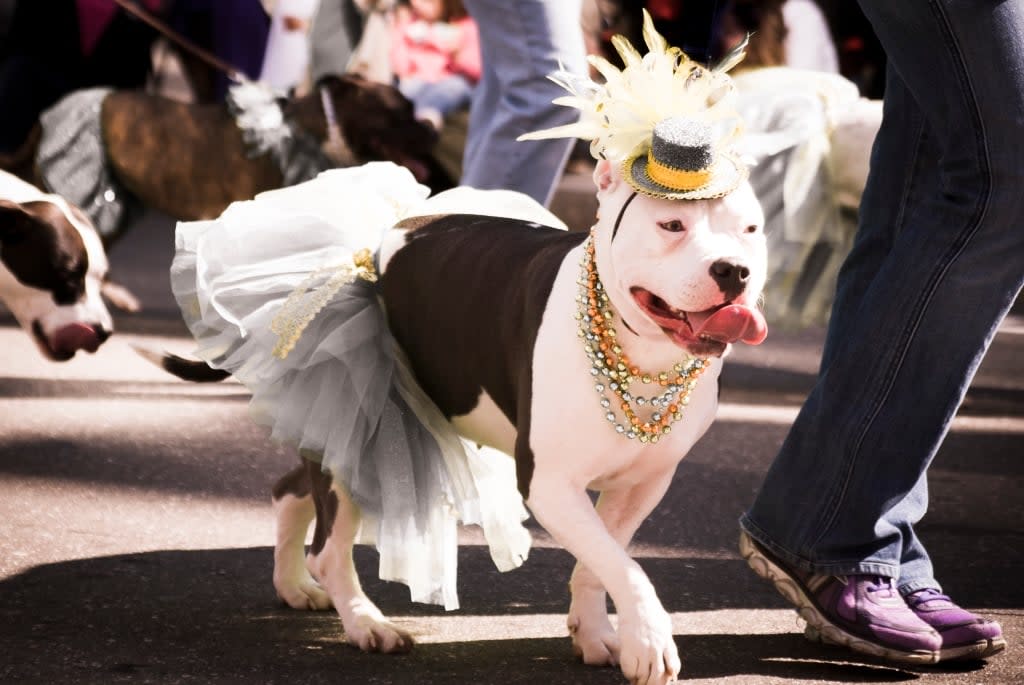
345 390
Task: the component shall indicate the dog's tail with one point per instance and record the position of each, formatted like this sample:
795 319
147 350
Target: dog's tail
191 370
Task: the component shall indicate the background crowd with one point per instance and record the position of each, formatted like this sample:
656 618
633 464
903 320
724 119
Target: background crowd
48 49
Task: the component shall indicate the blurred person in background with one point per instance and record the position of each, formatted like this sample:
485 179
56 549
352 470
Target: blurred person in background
286 58
809 43
57 46
435 57
235 31
521 43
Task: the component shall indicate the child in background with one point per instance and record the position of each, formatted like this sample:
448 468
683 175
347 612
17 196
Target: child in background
435 56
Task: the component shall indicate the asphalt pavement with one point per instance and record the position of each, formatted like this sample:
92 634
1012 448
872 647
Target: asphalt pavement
136 534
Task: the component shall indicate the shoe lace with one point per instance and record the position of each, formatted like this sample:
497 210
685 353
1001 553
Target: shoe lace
919 597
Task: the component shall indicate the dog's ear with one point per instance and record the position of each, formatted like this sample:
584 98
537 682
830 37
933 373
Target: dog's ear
606 177
120 296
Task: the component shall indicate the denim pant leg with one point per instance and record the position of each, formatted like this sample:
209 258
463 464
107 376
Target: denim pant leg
938 261
521 43
447 95
411 87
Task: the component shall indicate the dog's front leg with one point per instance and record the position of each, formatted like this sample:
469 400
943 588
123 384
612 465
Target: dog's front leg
622 511
648 654
337 523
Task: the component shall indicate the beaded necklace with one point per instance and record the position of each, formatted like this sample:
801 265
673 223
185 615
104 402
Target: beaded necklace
613 371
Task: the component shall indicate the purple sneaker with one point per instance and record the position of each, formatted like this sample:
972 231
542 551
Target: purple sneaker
964 635
864 613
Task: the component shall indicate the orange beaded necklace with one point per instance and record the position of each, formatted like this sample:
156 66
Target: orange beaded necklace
613 371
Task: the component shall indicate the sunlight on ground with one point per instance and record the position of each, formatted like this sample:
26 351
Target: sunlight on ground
783 415
461 627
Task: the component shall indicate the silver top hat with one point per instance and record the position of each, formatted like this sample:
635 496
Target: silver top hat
682 163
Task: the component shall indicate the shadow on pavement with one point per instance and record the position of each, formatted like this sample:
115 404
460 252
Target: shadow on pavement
53 388
211 616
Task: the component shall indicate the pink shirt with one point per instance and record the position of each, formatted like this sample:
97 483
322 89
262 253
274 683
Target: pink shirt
432 51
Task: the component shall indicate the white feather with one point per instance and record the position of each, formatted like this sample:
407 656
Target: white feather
619 116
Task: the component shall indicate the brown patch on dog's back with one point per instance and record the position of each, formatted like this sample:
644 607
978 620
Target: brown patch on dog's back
465 296
186 160
416 222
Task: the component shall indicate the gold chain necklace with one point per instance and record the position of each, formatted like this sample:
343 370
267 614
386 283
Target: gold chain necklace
613 371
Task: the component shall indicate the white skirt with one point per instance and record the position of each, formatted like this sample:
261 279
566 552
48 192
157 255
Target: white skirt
281 266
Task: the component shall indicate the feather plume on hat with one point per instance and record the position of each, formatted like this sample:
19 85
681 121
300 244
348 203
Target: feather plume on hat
619 116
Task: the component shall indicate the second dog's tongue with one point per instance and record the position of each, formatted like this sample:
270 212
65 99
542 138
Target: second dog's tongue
74 337
735 322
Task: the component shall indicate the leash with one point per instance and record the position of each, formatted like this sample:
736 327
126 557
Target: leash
182 42
335 147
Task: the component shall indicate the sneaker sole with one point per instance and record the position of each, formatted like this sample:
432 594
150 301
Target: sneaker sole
807 610
972 652
979 650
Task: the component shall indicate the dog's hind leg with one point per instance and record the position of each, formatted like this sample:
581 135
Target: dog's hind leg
337 523
294 511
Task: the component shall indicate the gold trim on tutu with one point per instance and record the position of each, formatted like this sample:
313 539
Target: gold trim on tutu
307 300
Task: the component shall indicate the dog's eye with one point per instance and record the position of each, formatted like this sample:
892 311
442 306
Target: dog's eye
673 226
752 228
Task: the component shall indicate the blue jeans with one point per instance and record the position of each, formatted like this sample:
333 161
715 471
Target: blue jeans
521 43
937 262
447 95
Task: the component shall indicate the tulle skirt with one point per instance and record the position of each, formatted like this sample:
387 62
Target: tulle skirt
270 292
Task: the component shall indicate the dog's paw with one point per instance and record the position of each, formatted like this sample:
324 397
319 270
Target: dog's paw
594 640
302 592
648 655
371 632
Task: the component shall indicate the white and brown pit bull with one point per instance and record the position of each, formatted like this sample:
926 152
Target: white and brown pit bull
53 271
487 312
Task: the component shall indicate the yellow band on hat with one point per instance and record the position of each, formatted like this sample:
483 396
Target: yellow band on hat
676 179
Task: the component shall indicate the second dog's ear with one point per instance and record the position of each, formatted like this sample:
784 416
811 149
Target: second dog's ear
120 297
606 178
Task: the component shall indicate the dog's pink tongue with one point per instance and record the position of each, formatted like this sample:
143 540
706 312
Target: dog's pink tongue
74 337
736 322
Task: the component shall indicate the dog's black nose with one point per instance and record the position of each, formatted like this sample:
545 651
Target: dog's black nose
731 277
102 333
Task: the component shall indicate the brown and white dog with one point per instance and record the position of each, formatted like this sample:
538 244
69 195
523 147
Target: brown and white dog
53 271
485 308
191 161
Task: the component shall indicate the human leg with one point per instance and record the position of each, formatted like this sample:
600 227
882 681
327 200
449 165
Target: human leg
521 43
336 30
939 227
447 95
411 87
